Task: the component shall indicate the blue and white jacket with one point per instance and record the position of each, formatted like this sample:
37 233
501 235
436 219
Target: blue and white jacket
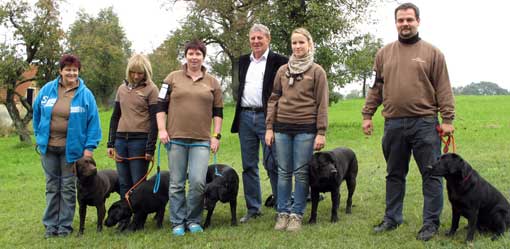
84 128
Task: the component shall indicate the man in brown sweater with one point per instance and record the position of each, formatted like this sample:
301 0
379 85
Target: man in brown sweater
411 81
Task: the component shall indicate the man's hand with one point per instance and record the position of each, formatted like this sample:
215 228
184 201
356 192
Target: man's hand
368 126
447 129
269 137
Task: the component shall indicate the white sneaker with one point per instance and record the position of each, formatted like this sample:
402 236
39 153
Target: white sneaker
281 221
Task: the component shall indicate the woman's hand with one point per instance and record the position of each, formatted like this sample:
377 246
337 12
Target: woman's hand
88 153
269 137
163 136
110 152
320 142
215 145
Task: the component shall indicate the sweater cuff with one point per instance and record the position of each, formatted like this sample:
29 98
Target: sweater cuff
367 117
447 121
321 132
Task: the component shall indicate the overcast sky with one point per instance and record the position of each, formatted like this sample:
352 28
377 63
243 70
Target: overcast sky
472 34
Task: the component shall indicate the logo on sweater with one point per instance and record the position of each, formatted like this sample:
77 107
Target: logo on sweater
77 109
48 102
418 59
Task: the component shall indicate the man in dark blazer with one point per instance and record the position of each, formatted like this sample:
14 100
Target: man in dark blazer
256 75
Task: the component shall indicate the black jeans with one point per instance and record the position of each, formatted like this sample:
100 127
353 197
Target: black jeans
403 136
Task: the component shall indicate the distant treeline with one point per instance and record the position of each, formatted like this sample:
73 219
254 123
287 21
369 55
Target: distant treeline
480 88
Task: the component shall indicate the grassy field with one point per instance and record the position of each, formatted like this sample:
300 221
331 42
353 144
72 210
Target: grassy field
482 136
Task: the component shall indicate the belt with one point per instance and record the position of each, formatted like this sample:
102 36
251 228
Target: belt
131 135
253 109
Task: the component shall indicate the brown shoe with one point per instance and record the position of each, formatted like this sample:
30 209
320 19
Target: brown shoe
281 221
294 223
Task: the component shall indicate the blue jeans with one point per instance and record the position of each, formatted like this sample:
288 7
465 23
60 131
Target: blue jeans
252 130
293 153
130 171
60 191
187 156
403 136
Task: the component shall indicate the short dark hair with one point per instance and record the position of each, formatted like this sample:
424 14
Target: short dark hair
195 44
69 60
405 6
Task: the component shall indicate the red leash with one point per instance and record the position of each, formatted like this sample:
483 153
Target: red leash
447 142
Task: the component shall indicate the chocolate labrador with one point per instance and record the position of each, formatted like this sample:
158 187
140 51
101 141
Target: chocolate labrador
93 188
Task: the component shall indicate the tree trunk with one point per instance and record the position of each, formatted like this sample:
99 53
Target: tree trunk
235 77
364 87
19 124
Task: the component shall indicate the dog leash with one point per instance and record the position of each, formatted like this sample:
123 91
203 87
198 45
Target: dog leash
128 193
216 171
447 142
158 174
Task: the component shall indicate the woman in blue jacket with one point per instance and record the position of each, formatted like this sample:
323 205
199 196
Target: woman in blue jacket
66 127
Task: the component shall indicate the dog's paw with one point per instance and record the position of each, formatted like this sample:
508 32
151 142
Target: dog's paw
312 221
348 211
334 219
449 233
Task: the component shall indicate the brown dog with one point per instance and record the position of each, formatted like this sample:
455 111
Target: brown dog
93 188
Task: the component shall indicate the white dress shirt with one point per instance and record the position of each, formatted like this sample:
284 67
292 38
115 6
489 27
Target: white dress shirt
252 94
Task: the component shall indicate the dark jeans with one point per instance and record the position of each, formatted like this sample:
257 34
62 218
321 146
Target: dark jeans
403 136
130 171
252 130
60 191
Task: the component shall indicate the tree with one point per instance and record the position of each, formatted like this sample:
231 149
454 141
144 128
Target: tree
164 59
35 40
481 88
359 63
102 46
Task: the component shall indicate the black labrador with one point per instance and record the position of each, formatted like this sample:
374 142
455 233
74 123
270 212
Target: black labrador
93 188
141 202
222 184
327 170
471 196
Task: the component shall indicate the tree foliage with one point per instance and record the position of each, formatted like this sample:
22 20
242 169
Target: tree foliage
102 46
481 88
35 38
164 59
360 60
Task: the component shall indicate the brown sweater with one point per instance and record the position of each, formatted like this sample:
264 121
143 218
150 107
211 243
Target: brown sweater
60 116
191 104
134 104
305 102
411 81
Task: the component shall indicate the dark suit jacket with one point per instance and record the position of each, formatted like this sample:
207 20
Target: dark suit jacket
274 62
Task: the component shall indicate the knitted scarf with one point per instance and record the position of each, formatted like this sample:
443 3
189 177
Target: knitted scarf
297 66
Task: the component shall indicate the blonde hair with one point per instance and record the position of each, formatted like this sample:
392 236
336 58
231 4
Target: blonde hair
305 33
139 63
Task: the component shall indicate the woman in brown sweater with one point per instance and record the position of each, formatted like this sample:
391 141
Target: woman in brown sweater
297 118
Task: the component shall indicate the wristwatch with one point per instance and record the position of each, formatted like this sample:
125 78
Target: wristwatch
216 135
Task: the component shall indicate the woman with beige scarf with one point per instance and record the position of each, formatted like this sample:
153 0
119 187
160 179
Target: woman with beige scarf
297 118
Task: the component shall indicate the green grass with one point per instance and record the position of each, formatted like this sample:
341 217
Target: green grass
482 136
